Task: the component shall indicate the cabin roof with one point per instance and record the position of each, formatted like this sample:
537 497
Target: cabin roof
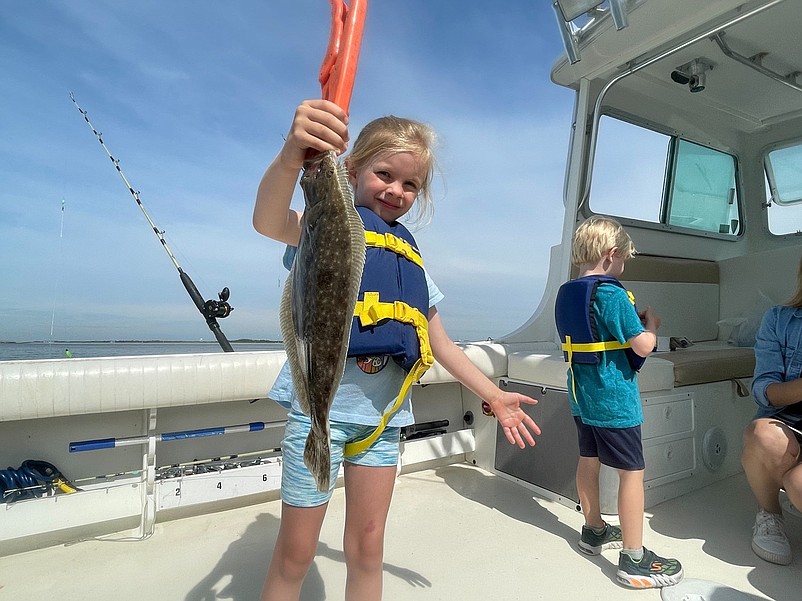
737 95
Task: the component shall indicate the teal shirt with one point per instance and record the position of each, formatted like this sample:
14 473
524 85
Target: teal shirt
607 394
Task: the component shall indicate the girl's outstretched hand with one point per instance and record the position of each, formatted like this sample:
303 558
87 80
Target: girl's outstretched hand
518 426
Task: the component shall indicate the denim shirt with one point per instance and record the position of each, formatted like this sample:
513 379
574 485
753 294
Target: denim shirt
778 354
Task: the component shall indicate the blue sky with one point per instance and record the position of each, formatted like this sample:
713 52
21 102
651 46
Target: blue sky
194 97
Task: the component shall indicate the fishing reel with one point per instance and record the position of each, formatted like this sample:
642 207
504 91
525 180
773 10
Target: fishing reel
213 309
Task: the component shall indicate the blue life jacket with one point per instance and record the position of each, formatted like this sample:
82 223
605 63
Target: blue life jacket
573 312
391 315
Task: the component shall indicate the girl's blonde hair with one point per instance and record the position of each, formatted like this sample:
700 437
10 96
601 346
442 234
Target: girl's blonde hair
390 135
596 236
796 300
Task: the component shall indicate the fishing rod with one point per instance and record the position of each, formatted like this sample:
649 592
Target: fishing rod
210 309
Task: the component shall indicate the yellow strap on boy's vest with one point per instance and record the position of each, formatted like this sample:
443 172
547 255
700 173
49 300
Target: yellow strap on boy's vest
371 311
591 347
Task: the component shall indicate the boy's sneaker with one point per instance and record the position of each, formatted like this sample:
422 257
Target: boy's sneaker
650 572
769 541
593 544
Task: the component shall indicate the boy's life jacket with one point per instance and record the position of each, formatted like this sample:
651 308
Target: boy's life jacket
573 312
391 314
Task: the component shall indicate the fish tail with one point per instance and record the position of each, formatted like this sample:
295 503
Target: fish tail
317 457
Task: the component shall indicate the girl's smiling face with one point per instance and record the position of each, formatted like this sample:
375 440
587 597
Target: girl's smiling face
389 185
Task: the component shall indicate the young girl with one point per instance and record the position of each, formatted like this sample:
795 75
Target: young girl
390 167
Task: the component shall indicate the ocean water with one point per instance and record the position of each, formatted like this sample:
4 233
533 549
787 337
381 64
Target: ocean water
13 351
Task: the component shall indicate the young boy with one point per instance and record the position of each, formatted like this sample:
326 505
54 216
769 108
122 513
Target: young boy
606 341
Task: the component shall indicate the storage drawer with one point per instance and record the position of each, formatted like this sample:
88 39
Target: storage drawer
667 414
669 457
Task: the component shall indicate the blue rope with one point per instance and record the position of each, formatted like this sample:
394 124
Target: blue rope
31 480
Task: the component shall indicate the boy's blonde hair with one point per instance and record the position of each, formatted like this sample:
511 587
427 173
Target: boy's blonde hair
389 135
596 236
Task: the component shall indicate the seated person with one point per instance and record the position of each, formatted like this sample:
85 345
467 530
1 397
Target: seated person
771 454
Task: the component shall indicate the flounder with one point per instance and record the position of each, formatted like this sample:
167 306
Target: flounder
317 305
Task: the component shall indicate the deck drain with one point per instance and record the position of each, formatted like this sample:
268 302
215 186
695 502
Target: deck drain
692 589
714 448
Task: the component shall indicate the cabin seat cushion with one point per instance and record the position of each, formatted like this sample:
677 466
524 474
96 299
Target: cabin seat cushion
549 370
710 362
668 284
686 309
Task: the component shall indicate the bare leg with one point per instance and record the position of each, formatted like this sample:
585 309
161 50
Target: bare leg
368 492
294 552
770 451
792 483
630 507
587 486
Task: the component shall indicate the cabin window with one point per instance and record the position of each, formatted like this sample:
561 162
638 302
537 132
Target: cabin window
703 194
626 183
784 190
645 175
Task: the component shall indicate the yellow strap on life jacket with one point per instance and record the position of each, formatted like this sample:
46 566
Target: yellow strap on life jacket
371 311
394 244
591 347
415 374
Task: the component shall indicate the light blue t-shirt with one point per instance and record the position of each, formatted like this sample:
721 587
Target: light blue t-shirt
608 394
362 397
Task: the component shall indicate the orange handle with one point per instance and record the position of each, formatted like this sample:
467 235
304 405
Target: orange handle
338 70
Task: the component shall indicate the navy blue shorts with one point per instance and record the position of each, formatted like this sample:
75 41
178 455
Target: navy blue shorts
619 448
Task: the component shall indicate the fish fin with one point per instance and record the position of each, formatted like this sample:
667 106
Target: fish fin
292 345
358 248
356 230
317 457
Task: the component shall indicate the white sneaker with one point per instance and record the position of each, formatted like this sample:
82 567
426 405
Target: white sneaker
768 540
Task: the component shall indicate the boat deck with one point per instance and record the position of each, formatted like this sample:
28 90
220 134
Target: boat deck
455 532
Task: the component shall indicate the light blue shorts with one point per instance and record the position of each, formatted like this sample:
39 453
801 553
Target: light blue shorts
298 486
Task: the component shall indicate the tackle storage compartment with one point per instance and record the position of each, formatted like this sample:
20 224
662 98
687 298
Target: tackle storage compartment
549 466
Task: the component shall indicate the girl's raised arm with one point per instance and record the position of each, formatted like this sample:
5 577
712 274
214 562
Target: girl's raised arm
318 125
